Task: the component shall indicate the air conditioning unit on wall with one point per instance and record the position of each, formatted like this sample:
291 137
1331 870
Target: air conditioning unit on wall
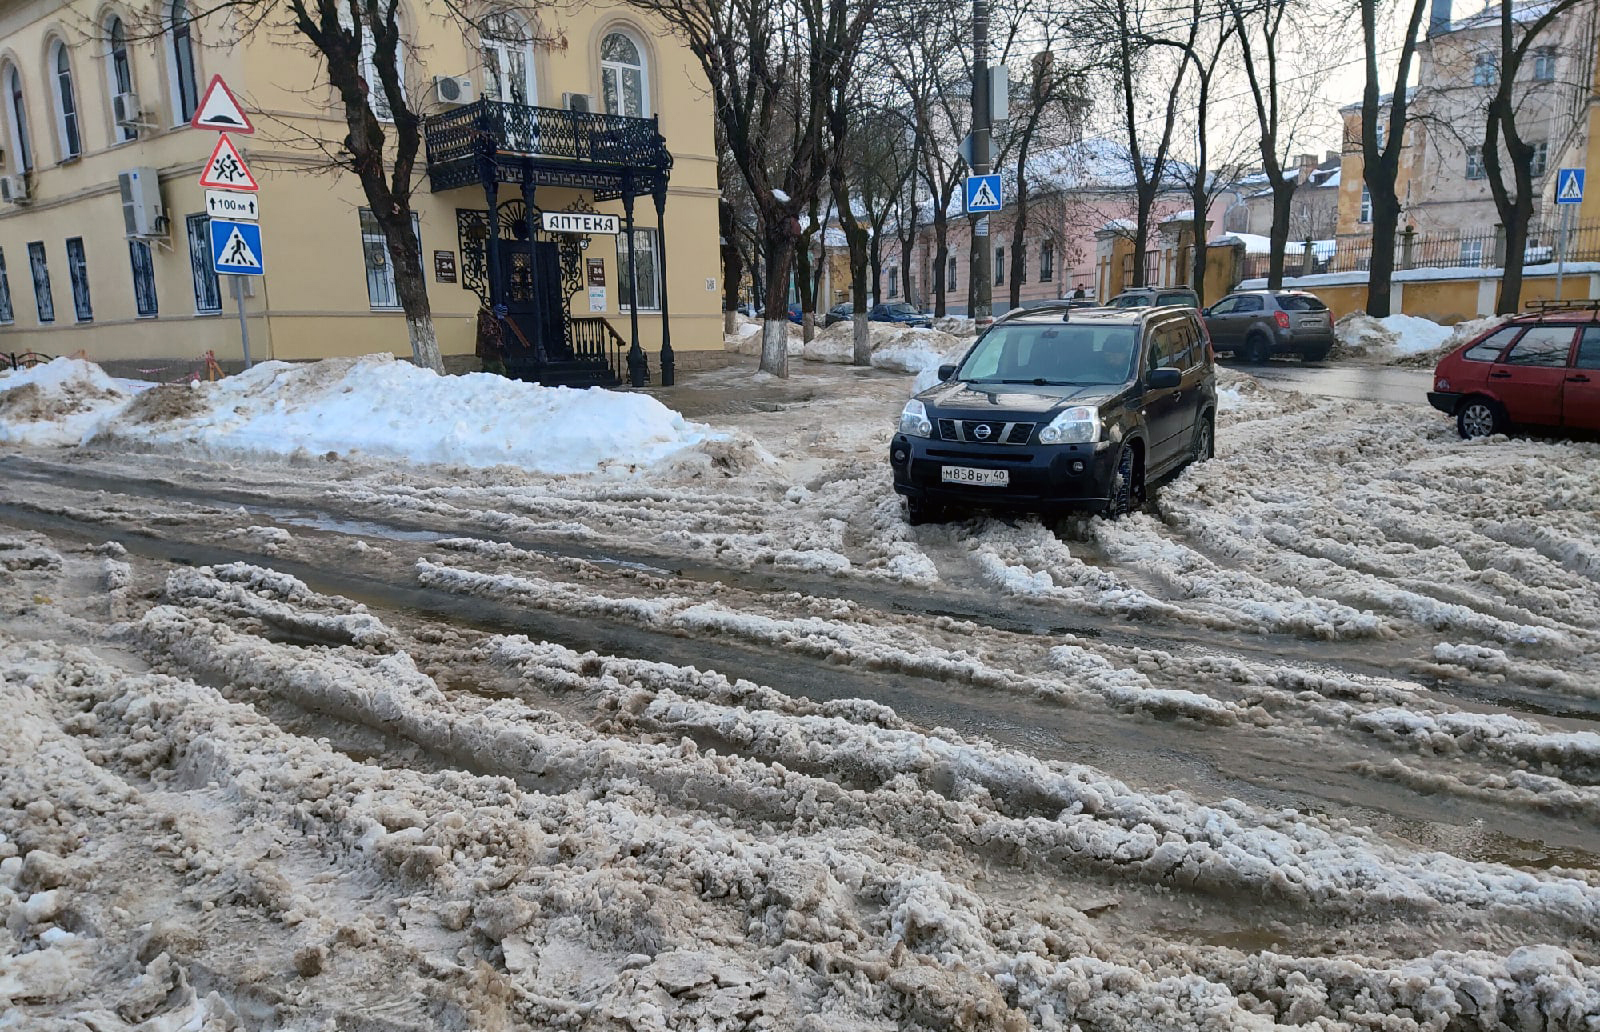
452 89
14 189
143 215
577 101
125 110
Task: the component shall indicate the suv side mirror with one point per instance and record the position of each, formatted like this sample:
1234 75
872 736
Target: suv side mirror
1161 379
946 372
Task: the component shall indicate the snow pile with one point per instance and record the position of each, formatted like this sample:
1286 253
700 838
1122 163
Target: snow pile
956 325
746 338
744 328
1460 333
1394 336
899 348
57 403
378 408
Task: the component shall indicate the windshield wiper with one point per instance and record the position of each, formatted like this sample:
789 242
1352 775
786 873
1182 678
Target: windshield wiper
1039 381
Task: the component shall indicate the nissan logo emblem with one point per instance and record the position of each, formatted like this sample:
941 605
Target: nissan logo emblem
981 431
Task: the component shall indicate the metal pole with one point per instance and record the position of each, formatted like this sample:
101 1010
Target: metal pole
669 362
638 367
1561 249
236 285
982 301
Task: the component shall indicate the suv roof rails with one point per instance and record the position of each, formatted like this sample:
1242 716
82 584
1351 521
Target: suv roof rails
1547 307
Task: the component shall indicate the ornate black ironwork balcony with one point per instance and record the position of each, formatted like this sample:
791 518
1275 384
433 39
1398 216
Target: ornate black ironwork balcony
604 153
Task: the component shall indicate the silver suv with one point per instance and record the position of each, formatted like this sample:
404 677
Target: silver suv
1257 324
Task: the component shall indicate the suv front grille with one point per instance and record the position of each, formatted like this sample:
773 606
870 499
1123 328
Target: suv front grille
984 431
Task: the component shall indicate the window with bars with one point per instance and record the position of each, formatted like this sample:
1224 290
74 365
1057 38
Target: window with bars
648 268
1047 262
144 278
207 288
950 282
78 273
42 300
999 266
381 292
6 317
894 282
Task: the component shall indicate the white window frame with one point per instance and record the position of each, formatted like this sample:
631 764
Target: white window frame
1475 169
1485 70
649 241
16 104
177 18
1544 64
69 121
376 98
1471 253
118 51
1365 214
617 69
506 47
1539 163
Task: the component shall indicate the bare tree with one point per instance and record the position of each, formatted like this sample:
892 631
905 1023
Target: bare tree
1265 50
1381 161
770 63
1048 112
357 41
1514 200
1148 92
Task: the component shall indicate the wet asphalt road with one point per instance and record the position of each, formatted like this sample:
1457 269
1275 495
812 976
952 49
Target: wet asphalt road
1353 382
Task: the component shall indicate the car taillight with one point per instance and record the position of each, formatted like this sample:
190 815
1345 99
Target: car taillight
1282 320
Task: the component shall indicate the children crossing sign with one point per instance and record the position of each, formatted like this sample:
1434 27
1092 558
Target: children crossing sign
983 193
226 170
236 247
1569 186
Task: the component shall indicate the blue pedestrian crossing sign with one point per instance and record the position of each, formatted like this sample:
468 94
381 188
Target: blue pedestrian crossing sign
1569 186
236 248
983 193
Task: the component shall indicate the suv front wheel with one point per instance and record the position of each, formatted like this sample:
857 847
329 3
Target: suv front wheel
1127 484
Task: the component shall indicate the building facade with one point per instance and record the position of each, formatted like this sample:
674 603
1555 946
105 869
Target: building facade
584 110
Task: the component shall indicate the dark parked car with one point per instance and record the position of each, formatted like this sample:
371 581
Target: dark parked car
1147 297
1060 409
1535 370
839 313
1257 324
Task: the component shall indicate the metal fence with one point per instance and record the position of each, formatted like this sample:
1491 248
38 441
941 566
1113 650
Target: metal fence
1479 249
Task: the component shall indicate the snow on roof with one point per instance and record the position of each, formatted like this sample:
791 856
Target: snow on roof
374 406
1254 243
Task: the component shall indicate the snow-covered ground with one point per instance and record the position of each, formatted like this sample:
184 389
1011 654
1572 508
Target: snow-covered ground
344 697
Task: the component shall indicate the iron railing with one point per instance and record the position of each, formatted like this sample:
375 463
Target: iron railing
21 359
1455 249
594 340
574 138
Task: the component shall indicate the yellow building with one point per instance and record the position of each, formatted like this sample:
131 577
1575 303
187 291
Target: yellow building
104 241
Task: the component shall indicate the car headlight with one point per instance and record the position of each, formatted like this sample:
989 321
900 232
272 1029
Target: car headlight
1078 425
914 420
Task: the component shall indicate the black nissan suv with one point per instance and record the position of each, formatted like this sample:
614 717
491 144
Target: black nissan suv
1055 410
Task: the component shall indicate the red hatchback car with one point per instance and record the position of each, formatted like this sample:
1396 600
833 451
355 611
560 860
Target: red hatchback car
1538 370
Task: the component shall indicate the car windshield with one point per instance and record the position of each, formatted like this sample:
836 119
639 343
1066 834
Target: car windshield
1131 301
1059 355
1301 303
1180 298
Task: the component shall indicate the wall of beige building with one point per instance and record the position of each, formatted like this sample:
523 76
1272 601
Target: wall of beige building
313 300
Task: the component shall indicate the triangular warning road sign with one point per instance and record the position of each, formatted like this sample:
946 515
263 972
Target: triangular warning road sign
236 252
219 110
1571 187
226 170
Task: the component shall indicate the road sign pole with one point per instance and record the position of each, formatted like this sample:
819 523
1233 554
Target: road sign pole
1561 249
982 281
236 287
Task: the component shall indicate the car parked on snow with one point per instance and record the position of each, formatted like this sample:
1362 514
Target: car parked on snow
1538 370
1146 297
888 311
1257 324
1056 410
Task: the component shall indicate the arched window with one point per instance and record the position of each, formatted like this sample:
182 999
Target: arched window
66 104
180 63
507 61
622 75
17 116
119 75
